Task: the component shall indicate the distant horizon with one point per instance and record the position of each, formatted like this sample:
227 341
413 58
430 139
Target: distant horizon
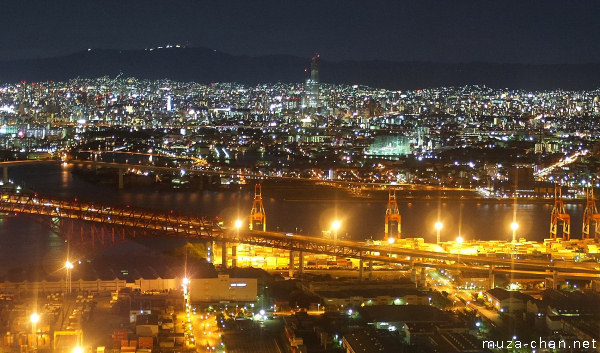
205 65
307 57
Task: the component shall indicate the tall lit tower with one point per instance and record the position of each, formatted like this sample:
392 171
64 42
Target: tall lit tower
312 84
314 68
392 217
169 103
258 218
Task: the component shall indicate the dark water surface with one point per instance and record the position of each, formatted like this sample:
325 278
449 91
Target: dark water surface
23 240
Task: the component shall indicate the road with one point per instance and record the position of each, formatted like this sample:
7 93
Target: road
206 333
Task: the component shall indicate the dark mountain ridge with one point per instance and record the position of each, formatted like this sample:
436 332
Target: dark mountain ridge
205 65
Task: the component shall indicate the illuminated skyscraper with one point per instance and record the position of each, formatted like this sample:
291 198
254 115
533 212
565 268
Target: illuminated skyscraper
169 103
314 69
312 85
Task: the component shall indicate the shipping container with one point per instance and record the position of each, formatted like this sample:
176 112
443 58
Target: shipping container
146 342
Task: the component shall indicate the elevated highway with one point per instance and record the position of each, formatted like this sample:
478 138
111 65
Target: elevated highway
109 225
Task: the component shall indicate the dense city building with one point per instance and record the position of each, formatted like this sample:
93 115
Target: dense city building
469 137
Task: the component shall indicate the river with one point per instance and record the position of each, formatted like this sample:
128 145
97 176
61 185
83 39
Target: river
22 239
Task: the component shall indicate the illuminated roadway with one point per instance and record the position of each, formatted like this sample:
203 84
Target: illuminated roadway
563 162
419 258
169 224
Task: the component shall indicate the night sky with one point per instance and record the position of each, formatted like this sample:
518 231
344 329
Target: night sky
440 31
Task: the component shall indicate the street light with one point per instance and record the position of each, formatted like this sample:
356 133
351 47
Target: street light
391 241
238 224
34 318
514 226
185 284
335 226
438 228
459 241
69 267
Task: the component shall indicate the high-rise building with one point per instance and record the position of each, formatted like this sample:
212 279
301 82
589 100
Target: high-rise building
169 103
314 68
312 85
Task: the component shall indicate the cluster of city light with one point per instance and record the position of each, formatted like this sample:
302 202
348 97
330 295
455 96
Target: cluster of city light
335 225
421 114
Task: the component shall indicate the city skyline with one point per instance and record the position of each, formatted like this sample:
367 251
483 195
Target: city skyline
303 177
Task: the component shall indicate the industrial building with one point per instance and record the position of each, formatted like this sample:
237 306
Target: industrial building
223 289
